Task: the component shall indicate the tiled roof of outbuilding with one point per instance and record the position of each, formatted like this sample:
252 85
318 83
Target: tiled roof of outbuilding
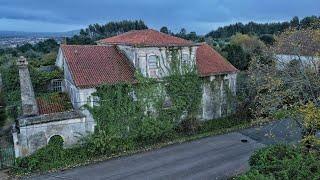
53 103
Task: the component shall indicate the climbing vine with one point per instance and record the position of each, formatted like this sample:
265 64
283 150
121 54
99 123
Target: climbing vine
149 110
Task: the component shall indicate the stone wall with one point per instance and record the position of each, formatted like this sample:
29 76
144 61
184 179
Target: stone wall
35 132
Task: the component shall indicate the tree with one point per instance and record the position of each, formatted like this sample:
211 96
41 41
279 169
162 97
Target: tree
46 46
165 30
292 87
95 32
24 48
310 22
268 39
236 56
295 22
311 124
249 43
258 29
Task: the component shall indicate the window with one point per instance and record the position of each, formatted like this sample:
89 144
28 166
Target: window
185 59
153 62
57 85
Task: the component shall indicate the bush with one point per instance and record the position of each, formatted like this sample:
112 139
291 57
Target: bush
153 130
254 174
189 126
52 156
104 143
283 162
272 156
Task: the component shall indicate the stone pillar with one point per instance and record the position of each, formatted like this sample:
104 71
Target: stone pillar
28 100
16 144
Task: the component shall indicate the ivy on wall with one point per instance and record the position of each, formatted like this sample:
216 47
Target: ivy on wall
149 110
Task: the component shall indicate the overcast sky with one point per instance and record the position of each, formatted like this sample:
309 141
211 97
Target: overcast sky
195 15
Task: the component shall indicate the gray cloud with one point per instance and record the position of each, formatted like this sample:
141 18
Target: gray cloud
194 15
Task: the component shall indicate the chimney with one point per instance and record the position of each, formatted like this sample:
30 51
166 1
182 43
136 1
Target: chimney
28 100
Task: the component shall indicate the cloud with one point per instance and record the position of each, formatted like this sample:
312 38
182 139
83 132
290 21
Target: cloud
194 15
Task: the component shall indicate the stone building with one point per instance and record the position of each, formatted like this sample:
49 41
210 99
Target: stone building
117 58
40 121
114 60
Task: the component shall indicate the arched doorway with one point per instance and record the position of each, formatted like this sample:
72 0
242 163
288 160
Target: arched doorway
56 140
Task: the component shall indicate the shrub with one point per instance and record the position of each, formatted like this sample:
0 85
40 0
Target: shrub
284 162
52 156
49 157
272 156
153 130
254 174
189 126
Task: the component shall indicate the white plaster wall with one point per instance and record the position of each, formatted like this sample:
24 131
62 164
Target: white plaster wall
60 59
85 96
138 56
212 102
33 137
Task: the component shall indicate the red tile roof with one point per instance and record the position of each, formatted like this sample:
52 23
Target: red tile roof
91 66
53 104
210 62
146 37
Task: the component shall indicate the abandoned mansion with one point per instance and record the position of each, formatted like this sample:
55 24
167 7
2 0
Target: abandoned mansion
114 60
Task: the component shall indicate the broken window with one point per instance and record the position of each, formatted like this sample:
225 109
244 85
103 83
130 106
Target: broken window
185 59
153 62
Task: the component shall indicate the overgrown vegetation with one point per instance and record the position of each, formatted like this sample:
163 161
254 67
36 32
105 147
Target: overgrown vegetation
287 89
133 116
95 147
42 54
283 162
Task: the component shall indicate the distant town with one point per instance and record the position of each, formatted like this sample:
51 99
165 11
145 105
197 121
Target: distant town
12 39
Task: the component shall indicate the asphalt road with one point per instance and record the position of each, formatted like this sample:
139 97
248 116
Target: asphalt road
217 157
209 158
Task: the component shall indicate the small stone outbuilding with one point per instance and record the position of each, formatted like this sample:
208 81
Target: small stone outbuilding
39 122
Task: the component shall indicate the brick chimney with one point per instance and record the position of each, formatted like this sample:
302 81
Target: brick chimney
28 100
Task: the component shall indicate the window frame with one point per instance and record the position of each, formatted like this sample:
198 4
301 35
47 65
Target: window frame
156 62
187 60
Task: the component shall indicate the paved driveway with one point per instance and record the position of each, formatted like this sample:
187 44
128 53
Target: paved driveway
284 132
209 158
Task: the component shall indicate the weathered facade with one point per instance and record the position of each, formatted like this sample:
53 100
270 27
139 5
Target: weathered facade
149 52
140 57
215 96
35 132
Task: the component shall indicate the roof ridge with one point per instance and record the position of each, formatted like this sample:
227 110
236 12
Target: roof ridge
146 37
90 45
